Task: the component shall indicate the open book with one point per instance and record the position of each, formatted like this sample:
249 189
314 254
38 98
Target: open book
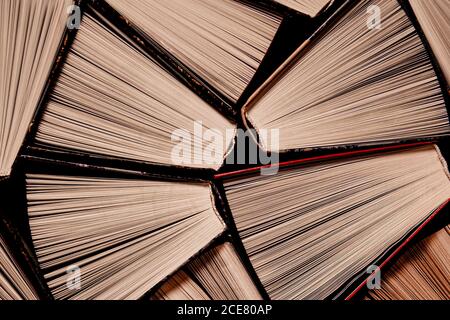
217 274
31 33
434 18
223 42
309 229
357 81
113 100
116 238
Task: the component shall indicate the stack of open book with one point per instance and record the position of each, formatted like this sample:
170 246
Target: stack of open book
224 149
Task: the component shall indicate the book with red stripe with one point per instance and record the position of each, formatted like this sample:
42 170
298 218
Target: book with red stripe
315 228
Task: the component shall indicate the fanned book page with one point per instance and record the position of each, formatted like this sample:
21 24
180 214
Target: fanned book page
421 273
30 36
310 229
217 274
434 18
14 284
354 84
223 42
106 238
113 100
309 7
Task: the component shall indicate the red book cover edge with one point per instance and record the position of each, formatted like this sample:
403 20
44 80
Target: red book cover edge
321 158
